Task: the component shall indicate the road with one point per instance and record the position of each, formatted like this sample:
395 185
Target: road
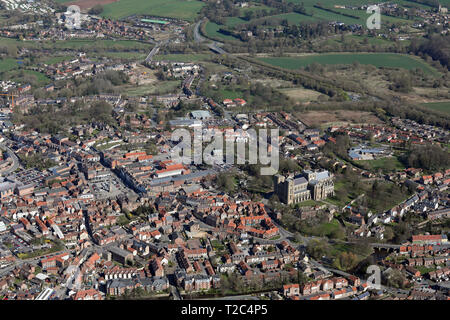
14 159
152 53
175 293
155 50
214 46
197 37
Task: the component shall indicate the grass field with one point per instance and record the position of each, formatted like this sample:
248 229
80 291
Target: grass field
161 87
8 64
390 60
301 94
212 30
180 9
324 229
439 106
385 164
183 57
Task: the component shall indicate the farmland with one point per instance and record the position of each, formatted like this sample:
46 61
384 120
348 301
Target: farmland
180 9
389 60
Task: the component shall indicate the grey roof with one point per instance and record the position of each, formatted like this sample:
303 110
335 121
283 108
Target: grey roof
300 180
322 175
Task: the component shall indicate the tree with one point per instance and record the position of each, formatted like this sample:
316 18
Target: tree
345 261
317 248
388 233
96 10
226 182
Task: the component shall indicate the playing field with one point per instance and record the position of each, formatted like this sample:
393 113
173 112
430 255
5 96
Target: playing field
390 60
180 9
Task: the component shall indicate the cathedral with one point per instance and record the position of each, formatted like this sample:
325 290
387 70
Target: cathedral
315 185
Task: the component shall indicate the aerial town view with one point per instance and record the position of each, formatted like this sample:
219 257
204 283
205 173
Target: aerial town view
198 150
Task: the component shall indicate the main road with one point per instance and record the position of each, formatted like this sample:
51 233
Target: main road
214 46
14 158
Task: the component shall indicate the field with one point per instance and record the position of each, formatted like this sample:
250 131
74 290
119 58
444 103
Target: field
180 9
86 4
8 64
183 57
313 14
161 87
386 165
439 106
390 60
328 118
301 94
212 31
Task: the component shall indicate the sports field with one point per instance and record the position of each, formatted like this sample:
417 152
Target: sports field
180 9
390 60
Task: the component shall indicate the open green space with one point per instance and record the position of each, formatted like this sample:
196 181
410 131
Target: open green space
390 60
439 106
8 64
180 9
183 57
160 87
387 164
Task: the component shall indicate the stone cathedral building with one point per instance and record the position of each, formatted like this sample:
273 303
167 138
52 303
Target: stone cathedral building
316 185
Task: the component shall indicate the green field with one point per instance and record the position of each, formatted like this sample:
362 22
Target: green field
212 31
439 106
183 57
8 64
161 87
390 60
387 164
180 9
323 229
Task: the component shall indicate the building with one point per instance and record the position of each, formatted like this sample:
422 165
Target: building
316 185
429 239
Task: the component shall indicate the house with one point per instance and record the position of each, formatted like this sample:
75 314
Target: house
89 294
429 239
290 290
426 179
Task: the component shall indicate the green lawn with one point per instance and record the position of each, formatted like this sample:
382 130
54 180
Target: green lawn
385 164
325 229
180 9
390 60
439 106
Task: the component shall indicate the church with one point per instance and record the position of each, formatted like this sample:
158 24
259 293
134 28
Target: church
315 185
